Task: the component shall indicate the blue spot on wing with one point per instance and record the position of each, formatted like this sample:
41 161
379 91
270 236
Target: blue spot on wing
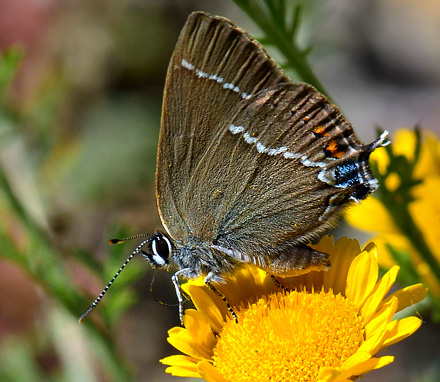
347 174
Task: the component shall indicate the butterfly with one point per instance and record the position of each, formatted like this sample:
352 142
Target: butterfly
250 165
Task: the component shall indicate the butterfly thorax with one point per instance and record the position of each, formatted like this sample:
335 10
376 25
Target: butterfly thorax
198 258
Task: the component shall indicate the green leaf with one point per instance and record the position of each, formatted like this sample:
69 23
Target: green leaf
280 22
9 62
407 272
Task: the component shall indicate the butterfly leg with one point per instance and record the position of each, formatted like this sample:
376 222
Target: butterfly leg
179 294
212 288
279 284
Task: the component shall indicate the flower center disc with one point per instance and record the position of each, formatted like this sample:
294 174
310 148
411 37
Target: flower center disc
289 337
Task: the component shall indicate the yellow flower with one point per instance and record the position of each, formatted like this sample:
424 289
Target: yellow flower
329 327
404 143
373 216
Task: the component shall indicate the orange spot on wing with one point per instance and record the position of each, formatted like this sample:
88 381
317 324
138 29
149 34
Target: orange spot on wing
320 131
333 150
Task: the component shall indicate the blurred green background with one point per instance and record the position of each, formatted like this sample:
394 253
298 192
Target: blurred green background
79 124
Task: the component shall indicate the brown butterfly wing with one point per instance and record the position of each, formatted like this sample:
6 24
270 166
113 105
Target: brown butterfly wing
251 164
280 172
215 65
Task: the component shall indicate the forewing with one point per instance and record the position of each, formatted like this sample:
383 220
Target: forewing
215 65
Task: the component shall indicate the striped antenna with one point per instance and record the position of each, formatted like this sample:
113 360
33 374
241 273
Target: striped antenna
119 241
104 291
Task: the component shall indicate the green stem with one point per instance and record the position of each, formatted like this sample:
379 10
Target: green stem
279 37
41 260
405 222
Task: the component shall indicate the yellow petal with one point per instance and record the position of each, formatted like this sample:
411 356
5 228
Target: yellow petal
429 279
181 372
247 286
200 282
209 373
402 329
380 321
371 248
181 366
408 296
199 329
360 363
345 250
325 243
347 370
356 359
330 374
397 241
181 339
371 364
210 305
427 164
371 216
180 360
374 343
425 211
404 142
380 290
362 277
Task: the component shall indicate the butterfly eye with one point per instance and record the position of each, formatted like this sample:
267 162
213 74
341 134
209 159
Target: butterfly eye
161 249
